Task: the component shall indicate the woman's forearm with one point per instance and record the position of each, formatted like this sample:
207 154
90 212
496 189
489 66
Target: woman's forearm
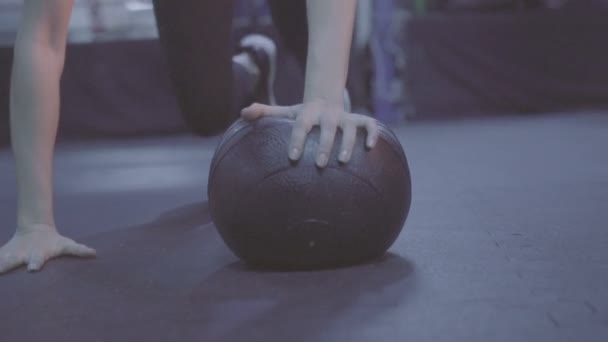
330 25
34 114
39 56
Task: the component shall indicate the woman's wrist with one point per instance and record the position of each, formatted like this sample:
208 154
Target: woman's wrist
324 85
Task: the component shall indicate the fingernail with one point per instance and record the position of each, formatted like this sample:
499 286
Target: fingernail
371 143
343 156
294 153
322 159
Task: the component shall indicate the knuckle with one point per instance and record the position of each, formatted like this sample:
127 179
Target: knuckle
299 133
303 114
356 122
34 256
303 124
350 132
256 106
296 142
331 120
292 113
371 123
349 141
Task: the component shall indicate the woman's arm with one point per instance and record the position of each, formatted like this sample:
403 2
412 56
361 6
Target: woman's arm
34 105
330 27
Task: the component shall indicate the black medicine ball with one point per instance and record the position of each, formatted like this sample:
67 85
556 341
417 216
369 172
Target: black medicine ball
274 213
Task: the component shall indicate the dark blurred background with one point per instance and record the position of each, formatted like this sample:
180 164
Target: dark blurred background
411 60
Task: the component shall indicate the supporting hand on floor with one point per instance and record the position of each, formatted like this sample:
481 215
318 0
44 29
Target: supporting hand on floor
34 246
329 117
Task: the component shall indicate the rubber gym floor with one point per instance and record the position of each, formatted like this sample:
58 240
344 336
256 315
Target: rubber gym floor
507 240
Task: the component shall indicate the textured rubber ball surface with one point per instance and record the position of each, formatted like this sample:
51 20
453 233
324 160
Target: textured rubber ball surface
274 213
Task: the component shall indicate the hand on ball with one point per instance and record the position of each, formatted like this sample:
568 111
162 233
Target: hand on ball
329 117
